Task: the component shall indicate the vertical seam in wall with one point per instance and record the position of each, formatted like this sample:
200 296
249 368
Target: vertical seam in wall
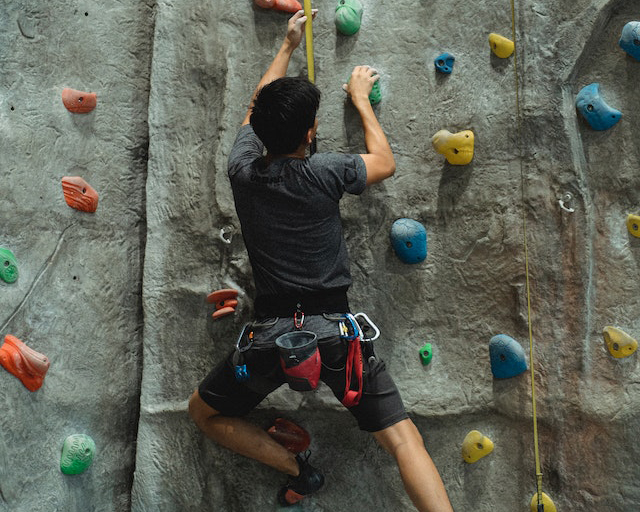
142 257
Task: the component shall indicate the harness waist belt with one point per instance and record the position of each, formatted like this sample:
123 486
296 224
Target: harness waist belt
309 303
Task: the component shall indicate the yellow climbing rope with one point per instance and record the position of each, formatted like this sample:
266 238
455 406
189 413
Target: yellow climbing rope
526 258
308 32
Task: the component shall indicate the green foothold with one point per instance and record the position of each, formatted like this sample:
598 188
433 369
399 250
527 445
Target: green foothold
8 266
426 354
77 454
348 16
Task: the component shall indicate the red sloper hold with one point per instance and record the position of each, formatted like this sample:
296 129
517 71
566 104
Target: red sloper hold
79 102
280 5
23 362
79 194
293 437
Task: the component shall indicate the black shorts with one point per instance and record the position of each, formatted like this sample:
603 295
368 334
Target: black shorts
380 405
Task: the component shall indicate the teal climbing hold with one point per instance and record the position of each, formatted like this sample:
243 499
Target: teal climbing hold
593 108
426 354
630 39
507 357
8 266
348 16
409 240
77 454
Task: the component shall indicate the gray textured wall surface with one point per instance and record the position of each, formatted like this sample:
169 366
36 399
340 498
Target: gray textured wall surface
116 299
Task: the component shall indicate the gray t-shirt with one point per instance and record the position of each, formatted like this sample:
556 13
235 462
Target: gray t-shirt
290 216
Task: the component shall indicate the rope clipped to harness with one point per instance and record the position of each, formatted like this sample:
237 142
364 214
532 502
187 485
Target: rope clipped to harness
354 362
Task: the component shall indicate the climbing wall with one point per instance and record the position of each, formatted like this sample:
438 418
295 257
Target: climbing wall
115 299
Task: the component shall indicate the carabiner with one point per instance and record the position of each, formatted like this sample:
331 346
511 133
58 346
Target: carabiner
239 346
297 322
367 323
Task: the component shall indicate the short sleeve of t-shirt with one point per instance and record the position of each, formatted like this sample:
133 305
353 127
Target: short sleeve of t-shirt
246 148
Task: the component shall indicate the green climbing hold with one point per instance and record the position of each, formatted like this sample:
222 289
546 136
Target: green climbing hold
77 454
426 353
348 16
8 266
375 96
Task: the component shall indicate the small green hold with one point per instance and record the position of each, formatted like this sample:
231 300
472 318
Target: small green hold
375 96
348 16
8 266
77 454
426 354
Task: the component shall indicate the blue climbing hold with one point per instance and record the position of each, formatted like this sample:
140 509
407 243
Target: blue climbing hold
444 63
409 240
630 39
598 114
507 357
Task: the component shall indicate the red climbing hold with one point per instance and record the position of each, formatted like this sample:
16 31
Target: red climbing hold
280 5
79 194
23 362
219 296
293 437
219 313
225 301
79 102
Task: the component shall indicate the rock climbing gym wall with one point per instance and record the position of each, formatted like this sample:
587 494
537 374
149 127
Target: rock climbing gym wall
517 184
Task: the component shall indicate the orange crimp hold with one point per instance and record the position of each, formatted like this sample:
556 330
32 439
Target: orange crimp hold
79 102
225 301
79 194
23 362
280 5
293 437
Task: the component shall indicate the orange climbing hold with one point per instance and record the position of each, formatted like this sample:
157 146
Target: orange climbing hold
79 102
225 301
79 194
280 5
293 437
23 362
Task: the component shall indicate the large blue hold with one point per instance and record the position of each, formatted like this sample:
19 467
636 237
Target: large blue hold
507 357
598 114
409 240
630 39
444 63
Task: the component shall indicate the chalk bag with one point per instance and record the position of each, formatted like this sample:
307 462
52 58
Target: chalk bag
300 359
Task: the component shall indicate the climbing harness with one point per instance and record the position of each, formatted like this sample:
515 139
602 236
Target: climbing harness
308 32
540 505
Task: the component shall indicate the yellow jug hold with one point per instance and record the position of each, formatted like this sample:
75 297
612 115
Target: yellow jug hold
633 224
619 343
546 501
501 46
475 446
456 147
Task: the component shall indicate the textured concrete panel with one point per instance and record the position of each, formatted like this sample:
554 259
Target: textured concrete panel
77 299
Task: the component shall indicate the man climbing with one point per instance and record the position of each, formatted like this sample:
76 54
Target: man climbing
287 204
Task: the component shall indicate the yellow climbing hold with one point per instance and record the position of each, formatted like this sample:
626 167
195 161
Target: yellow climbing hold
501 46
475 446
546 501
456 147
619 343
633 224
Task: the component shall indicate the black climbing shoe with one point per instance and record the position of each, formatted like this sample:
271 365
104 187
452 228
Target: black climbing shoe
308 481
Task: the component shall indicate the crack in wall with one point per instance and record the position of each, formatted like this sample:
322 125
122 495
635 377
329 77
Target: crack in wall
45 267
